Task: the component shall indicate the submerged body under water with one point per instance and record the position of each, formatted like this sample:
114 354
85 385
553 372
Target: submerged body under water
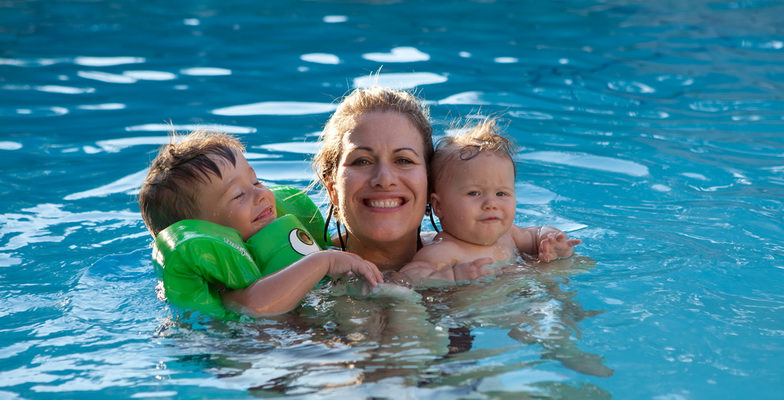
650 130
429 341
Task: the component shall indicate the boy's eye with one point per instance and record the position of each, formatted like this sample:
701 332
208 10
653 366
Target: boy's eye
239 195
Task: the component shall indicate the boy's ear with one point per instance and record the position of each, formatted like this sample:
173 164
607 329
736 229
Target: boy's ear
435 205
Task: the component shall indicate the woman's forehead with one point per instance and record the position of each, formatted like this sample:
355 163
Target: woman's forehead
384 130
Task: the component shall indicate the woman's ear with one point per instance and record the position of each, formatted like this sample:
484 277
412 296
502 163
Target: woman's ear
331 192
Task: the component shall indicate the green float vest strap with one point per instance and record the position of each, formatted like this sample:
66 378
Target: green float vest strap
196 259
290 200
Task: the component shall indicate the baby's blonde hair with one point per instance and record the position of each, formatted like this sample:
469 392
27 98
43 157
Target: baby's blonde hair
484 137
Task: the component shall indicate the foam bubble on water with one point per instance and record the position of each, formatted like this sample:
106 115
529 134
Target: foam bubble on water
694 175
506 60
464 98
293 147
320 58
9 145
150 75
107 61
590 161
128 184
233 129
205 71
276 108
398 55
106 77
661 188
283 170
105 106
63 89
631 87
334 19
399 81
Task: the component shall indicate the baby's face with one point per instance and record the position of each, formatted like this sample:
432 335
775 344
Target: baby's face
237 199
475 199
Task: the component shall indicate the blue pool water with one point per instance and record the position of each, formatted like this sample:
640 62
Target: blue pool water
654 131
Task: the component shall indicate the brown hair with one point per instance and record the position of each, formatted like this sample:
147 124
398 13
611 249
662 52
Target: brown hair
483 137
352 108
169 191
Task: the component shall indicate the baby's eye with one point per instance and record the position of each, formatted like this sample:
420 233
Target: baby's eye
473 193
501 194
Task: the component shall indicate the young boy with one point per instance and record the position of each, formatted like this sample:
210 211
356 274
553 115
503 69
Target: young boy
220 235
474 198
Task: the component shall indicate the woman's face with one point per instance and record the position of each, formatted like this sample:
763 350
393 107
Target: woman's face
380 186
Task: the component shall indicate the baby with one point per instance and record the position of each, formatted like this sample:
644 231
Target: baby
222 241
474 198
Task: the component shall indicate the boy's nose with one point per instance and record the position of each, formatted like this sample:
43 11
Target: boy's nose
261 193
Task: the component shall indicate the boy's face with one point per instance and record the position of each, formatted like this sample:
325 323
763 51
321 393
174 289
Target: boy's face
237 199
475 199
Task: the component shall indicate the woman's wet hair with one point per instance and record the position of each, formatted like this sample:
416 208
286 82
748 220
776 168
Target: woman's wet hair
357 104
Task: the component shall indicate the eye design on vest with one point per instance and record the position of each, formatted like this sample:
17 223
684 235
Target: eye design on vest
302 243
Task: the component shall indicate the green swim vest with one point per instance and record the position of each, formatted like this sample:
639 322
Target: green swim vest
197 259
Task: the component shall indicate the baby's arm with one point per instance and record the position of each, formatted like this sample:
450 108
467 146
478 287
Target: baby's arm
437 262
546 242
281 291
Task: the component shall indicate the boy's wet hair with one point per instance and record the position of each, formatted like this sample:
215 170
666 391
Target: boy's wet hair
484 137
169 191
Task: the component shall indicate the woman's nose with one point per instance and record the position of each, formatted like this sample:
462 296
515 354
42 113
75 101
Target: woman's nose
383 176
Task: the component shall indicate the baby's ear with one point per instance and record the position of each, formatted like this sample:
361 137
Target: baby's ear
435 204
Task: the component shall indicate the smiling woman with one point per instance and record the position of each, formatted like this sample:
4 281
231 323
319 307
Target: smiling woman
374 163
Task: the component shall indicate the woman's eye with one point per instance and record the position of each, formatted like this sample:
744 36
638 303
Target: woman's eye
405 161
359 162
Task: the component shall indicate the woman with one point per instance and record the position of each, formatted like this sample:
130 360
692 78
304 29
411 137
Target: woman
374 162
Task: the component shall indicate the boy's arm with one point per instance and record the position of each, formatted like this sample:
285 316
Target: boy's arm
545 242
283 290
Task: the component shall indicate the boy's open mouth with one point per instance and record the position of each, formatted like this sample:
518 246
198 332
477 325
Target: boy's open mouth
265 214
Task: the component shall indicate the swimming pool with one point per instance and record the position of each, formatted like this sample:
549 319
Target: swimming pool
651 130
